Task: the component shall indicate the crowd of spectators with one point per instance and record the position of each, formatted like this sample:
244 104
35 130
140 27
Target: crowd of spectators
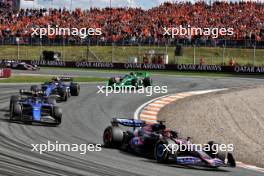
247 20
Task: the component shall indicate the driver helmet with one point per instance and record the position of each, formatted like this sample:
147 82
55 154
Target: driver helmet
158 127
35 94
171 133
56 78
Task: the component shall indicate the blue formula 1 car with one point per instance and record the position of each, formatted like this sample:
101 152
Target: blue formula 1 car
59 88
32 106
155 141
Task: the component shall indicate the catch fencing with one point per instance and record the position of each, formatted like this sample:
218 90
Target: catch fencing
220 52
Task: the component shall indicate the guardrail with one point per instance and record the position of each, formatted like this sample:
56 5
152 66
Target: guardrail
141 66
150 41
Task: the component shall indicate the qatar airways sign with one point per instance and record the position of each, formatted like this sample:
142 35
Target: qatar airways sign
246 69
142 66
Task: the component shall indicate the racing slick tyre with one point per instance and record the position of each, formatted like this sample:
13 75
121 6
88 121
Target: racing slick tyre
231 160
13 99
222 155
226 157
15 111
147 82
135 83
211 148
75 89
111 81
34 88
113 137
160 153
64 94
57 114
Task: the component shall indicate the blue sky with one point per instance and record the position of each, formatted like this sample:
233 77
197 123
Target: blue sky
84 4
146 4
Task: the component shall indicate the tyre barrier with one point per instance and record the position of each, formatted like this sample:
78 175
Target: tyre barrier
5 72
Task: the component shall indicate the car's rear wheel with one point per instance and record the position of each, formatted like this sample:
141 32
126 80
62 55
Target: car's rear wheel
161 154
113 137
75 89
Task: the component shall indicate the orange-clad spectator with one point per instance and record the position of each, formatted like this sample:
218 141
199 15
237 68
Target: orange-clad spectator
146 32
232 62
202 61
160 60
145 60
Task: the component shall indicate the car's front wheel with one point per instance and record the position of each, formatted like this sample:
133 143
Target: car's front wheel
14 99
147 82
64 94
57 114
222 155
135 83
111 81
15 111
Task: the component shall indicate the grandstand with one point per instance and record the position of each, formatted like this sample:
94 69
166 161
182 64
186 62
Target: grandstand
135 23
136 26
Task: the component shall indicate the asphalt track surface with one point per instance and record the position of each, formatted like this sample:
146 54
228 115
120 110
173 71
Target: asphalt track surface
84 119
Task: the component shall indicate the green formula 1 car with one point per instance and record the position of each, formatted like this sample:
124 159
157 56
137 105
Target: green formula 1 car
134 79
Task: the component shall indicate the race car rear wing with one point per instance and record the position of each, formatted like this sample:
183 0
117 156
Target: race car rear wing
127 122
24 92
65 79
142 74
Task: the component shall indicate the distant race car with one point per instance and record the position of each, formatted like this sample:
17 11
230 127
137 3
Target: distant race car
20 65
135 79
59 88
151 140
32 106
